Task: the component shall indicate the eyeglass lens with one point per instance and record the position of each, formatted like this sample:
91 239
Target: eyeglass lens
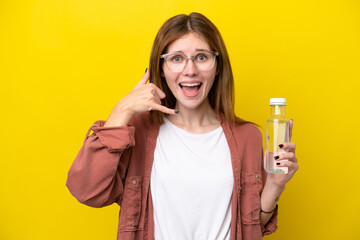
204 61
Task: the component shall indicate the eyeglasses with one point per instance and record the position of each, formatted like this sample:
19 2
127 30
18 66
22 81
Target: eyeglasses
177 61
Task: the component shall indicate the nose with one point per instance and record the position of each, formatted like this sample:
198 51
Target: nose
190 68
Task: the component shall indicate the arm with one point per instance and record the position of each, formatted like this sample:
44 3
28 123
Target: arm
96 176
275 185
269 198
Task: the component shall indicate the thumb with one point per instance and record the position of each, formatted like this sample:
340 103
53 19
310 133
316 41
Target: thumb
291 123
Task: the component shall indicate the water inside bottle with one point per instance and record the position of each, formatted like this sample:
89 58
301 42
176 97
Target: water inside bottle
277 133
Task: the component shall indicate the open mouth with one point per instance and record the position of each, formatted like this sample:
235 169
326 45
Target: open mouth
190 89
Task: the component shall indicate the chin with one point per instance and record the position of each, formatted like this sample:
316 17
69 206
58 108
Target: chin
190 104
191 107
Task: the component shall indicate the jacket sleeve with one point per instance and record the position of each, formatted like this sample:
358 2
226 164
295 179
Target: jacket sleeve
97 173
271 225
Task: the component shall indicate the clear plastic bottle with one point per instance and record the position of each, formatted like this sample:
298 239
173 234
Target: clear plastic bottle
277 132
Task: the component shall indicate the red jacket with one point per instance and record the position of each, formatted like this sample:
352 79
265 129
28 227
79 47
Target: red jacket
114 165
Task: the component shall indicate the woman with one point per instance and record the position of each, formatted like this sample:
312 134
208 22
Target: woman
173 154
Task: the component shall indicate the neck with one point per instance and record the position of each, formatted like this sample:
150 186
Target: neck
277 110
199 120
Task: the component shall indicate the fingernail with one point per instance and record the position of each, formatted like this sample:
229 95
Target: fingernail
281 145
146 70
292 120
177 111
276 157
277 163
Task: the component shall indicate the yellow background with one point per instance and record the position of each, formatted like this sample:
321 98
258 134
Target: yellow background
66 63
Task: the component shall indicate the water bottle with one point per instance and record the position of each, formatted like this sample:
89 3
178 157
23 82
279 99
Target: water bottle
277 132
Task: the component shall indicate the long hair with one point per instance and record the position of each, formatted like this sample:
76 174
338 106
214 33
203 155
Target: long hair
221 95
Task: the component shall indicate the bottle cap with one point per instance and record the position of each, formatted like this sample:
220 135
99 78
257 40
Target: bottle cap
278 101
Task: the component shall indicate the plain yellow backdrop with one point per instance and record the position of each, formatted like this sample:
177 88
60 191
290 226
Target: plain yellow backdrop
66 63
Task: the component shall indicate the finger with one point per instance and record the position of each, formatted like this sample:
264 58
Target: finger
286 156
145 78
291 123
157 99
290 146
164 109
291 165
158 91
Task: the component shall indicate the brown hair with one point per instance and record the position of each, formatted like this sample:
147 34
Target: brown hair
221 95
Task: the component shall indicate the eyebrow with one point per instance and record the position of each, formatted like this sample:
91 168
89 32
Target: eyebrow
196 50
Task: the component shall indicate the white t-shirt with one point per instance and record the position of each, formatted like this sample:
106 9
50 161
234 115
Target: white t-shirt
191 185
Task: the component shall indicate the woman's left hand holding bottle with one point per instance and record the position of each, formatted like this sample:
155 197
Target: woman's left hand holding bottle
280 180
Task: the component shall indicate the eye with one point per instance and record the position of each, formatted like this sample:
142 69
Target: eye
176 59
201 57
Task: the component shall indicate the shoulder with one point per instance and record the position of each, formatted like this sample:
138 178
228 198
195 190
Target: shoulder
246 127
247 131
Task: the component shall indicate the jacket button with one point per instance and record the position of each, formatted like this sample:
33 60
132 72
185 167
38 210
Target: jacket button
134 181
257 176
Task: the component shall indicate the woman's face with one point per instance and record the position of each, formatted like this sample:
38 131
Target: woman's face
191 86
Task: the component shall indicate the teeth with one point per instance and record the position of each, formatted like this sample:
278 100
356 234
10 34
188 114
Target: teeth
189 84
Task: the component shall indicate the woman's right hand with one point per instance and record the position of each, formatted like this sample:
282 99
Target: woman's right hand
143 97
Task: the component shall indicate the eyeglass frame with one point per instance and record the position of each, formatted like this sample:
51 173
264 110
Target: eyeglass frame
164 56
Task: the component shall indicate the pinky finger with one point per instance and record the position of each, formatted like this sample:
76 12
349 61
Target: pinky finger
289 164
164 109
